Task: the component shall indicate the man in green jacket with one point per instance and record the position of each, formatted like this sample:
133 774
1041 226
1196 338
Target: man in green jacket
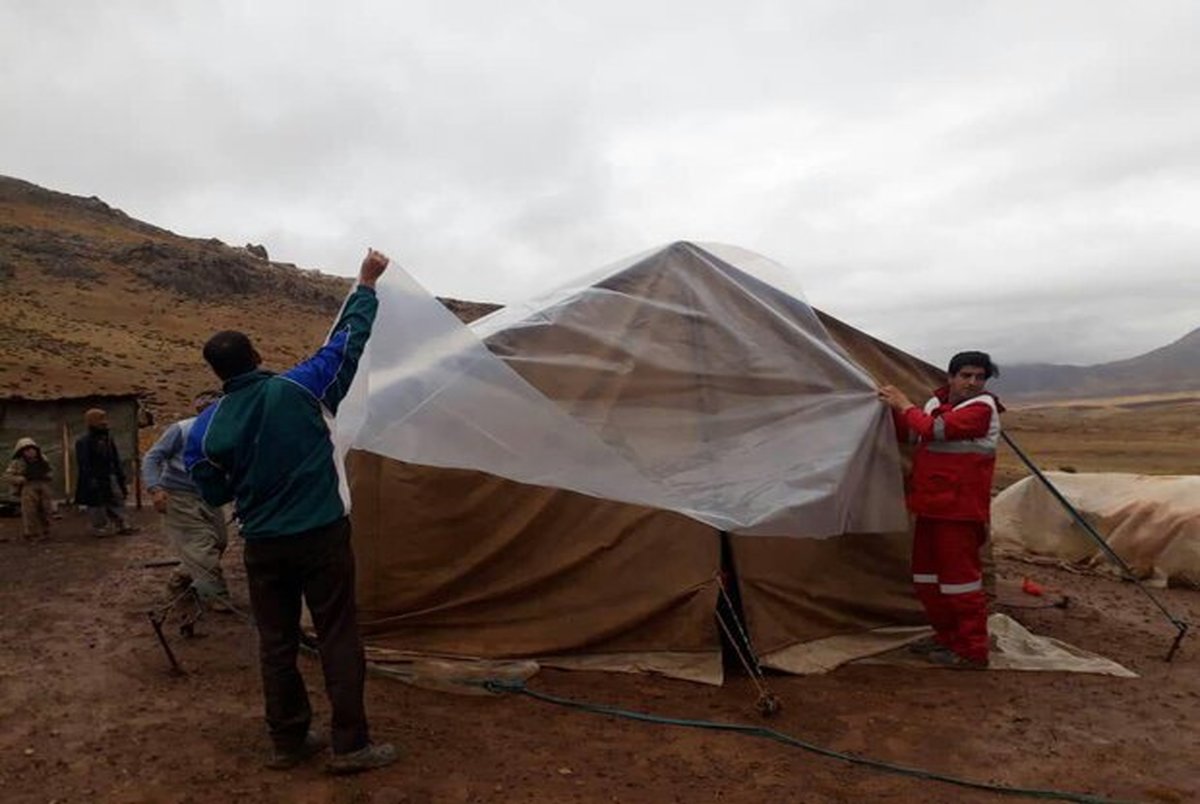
267 446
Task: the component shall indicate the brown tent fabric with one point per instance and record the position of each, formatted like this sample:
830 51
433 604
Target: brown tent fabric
464 564
461 563
887 364
798 590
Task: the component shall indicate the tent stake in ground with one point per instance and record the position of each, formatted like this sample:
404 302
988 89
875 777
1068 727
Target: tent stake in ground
1181 626
768 703
187 628
156 622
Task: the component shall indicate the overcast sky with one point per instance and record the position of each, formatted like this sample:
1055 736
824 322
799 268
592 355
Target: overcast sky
1017 177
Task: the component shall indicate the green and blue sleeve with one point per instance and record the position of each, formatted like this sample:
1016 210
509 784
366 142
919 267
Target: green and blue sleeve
211 479
327 374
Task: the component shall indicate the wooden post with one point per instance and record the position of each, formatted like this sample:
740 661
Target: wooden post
68 477
137 457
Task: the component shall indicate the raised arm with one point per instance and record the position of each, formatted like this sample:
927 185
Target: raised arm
327 374
914 424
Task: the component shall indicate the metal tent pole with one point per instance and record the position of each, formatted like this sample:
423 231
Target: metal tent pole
1180 626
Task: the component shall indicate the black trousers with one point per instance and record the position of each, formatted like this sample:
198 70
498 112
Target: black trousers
318 566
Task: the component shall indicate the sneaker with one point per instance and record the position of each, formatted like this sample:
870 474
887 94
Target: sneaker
283 760
944 657
179 582
375 755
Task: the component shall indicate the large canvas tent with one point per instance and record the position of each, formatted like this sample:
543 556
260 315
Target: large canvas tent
568 479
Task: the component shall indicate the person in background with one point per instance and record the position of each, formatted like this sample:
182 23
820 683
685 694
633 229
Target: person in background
100 484
30 474
195 530
267 445
949 492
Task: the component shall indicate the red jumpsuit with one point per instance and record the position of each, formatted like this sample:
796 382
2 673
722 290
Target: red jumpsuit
949 491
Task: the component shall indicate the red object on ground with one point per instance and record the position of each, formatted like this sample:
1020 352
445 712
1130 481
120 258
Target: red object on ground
1032 588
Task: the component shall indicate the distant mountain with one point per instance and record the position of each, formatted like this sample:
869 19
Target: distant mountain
1172 368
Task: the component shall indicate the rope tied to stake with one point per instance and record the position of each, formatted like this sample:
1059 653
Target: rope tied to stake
1181 626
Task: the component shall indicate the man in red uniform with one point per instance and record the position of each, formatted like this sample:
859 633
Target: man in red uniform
949 492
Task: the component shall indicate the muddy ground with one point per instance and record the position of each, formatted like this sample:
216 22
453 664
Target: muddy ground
88 712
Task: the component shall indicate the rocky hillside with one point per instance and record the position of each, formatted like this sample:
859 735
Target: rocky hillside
95 301
1170 369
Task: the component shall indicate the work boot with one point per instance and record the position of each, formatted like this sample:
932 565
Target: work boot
374 755
944 657
924 647
283 760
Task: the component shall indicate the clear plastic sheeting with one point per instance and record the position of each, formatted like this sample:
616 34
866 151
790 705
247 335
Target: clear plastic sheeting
679 379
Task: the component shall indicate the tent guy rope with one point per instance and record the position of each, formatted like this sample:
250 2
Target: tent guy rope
1180 625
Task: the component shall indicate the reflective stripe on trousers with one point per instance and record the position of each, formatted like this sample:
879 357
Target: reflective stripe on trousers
948 580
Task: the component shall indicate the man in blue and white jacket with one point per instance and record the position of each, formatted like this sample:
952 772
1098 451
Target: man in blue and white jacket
195 530
267 446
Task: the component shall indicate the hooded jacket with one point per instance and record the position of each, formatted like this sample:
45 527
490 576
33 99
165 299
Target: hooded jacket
21 471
